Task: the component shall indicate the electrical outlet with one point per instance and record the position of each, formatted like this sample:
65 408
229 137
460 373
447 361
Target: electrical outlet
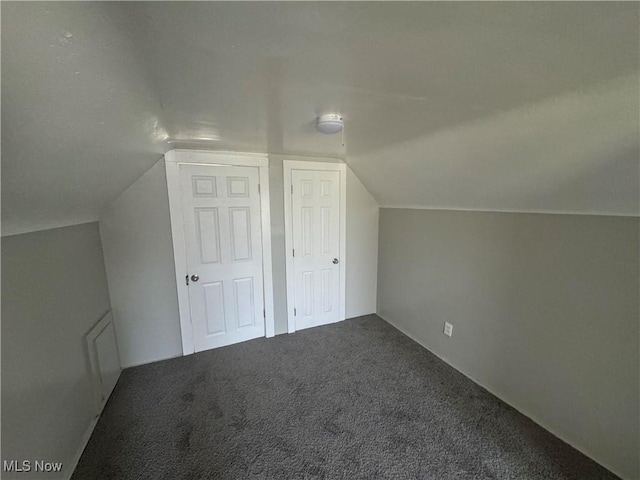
448 329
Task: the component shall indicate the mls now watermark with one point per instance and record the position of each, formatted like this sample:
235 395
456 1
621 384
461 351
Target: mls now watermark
19 466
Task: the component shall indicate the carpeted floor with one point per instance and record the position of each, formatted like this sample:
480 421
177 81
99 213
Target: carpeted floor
357 399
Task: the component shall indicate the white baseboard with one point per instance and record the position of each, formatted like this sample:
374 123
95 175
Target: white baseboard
492 392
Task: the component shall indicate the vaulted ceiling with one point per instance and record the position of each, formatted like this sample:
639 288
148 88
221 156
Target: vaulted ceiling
481 106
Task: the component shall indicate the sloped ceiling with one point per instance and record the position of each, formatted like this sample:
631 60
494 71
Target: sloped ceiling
487 106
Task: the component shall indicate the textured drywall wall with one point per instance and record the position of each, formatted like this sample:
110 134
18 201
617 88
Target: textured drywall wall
54 290
544 310
138 251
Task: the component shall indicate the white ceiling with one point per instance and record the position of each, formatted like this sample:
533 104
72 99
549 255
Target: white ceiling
489 106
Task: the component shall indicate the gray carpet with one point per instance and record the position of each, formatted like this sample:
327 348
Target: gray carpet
356 399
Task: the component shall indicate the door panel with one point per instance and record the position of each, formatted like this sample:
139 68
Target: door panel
326 290
214 306
221 213
316 243
240 233
208 234
244 302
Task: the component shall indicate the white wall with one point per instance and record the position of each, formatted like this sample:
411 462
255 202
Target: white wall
278 259
362 249
138 252
54 290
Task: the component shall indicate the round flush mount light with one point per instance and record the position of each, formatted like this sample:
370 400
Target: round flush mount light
329 123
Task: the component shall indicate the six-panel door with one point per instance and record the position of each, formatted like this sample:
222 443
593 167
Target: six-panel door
316 244
221 214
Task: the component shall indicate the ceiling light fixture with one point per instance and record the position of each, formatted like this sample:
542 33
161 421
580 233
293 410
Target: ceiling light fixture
329 123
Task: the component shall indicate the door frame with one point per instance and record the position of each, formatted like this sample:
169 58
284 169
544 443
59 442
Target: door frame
288 166
173 159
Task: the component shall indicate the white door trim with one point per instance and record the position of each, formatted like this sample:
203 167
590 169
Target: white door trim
173 159
289 165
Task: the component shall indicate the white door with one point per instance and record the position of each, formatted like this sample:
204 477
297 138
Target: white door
316 247
221 212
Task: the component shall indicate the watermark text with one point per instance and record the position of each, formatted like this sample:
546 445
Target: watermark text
19 466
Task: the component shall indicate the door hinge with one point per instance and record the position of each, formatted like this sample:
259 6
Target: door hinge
258 188
294 252
292 189
264 313
186 279
295 312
